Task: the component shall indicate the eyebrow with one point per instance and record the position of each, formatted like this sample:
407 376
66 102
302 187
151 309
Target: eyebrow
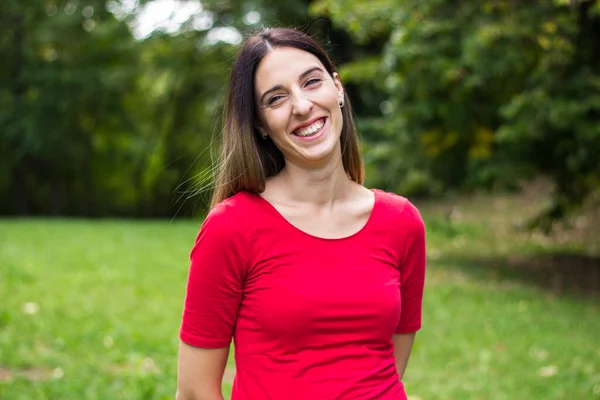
279 87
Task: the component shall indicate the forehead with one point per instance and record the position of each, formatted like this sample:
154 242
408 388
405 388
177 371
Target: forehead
283 65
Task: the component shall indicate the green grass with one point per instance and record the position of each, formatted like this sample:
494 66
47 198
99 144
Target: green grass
91 310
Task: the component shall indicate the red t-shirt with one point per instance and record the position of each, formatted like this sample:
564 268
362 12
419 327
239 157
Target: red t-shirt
311 318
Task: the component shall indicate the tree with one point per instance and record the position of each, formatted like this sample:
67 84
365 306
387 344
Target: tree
65 84
96 122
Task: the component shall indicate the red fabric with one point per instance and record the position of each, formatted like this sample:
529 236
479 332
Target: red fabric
311 318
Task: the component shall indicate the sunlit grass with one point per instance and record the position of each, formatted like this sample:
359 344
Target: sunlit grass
91 310
108 298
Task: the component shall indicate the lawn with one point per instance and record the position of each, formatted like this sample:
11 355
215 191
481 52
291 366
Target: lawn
91 309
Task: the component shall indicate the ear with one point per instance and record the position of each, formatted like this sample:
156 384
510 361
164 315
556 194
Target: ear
337 81
261 131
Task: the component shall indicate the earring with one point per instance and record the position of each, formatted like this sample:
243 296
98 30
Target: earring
341 102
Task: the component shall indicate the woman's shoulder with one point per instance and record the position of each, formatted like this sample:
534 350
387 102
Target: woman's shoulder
230 212
395 202
237 202
395 207
225 223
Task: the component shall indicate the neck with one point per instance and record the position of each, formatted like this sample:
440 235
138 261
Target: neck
319 186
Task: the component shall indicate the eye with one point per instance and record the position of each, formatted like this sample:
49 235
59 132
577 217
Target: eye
313 81
273 99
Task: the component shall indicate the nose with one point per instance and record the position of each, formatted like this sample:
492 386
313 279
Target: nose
301 105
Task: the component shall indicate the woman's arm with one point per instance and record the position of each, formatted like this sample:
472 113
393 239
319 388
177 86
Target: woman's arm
218 266
412 280
403 344
200 372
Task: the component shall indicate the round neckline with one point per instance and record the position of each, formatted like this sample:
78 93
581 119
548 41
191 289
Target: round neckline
343 238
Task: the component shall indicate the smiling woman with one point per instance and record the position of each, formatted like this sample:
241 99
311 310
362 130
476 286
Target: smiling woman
301 110
249 155
317 279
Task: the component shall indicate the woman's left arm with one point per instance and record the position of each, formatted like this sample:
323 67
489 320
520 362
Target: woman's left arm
403 344
412 275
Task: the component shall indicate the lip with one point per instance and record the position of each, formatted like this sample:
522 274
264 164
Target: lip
317 136
309 123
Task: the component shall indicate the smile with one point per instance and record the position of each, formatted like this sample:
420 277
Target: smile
311 129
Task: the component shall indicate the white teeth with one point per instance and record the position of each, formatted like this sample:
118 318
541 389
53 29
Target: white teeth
312 129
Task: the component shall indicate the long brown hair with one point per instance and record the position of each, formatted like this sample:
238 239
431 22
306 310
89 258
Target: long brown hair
246 160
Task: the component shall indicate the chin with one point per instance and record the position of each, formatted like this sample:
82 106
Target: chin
323 155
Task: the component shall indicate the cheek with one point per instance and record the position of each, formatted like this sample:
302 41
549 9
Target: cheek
341 118
275 120
339 115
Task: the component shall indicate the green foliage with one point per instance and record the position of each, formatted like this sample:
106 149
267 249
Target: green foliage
481 93
96 122
448 96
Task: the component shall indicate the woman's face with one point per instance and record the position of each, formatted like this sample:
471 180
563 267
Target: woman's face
298 105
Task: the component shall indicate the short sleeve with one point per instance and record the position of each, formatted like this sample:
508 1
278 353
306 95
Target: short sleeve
218 264
412 272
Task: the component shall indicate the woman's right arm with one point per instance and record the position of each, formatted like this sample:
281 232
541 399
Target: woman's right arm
218 265
200 372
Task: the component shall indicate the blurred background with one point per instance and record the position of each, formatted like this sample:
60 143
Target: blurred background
485 114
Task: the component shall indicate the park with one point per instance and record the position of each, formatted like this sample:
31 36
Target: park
484 114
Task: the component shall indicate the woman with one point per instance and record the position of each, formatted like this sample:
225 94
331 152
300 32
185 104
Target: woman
318 280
